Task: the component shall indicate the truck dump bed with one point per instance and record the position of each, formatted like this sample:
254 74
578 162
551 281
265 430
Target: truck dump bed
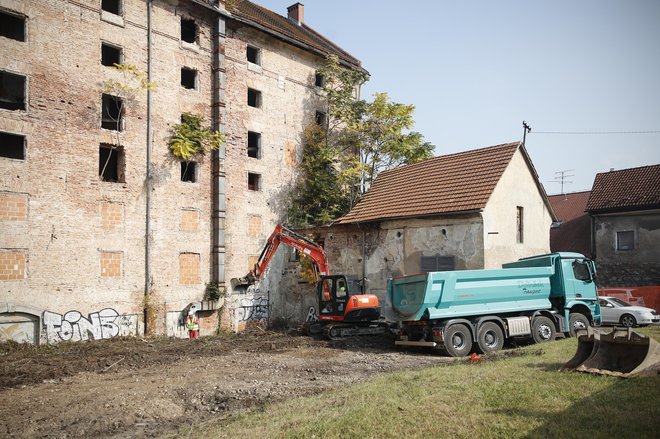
447 294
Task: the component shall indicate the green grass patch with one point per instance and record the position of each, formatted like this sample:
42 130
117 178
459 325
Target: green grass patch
517 393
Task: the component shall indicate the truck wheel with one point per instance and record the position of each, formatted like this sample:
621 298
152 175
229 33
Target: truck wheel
577 321
628 321
543 329
458 340
490 338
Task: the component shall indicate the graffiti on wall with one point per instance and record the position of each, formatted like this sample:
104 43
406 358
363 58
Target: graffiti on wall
104 324
312 316
256 308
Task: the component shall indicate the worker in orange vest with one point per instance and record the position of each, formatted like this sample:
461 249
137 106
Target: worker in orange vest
192 324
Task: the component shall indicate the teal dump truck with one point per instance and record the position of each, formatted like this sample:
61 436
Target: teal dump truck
535 297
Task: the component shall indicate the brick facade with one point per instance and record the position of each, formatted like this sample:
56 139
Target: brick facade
74 197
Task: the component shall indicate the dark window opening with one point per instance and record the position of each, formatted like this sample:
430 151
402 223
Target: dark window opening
254 181
519 225
12 91
188 78
110 55
189 171
319 80
437 263
12 146
188 30
111 113
254 98
12 26
254 145
111 163
112 6
625 240
321 118
254 55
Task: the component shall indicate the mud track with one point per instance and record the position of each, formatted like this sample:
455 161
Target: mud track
137 387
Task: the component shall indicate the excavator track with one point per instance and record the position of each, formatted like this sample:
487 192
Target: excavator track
340 331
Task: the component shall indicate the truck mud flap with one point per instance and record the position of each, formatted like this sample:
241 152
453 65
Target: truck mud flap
622 353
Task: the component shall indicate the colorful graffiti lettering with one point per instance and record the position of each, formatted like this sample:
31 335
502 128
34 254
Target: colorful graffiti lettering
104 324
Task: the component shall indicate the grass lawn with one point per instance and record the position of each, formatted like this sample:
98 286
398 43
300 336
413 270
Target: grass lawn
518 393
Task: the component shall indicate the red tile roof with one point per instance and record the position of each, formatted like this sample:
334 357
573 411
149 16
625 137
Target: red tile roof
301 35
446 184
574 233
627 189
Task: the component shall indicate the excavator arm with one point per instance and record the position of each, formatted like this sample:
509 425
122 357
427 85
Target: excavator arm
283 235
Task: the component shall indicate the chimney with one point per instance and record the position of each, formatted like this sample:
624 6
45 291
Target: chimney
296 13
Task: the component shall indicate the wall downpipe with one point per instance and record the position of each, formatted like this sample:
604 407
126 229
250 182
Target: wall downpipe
218 157
147 227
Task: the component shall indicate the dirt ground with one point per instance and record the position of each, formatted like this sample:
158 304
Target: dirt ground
138 387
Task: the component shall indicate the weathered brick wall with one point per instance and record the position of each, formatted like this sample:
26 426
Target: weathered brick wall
289 101
67 221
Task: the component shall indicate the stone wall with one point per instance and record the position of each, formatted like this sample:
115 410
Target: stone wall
639 266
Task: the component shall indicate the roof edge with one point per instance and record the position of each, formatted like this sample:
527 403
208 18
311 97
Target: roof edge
406 217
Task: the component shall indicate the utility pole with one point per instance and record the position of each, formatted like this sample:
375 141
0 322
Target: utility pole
526 129
561 177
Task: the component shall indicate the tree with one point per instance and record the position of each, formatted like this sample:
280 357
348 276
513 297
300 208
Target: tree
383 138
358 139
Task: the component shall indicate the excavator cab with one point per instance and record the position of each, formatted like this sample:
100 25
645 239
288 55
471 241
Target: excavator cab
340 300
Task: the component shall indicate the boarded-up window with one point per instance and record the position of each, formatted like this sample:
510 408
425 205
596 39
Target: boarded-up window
437 263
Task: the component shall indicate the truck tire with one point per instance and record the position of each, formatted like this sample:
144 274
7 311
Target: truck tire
543 329
458 340
490 338
577 321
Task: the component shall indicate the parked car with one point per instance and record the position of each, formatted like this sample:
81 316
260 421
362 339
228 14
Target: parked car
617 312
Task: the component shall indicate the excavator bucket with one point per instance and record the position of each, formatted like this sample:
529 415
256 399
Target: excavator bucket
242 282
622 353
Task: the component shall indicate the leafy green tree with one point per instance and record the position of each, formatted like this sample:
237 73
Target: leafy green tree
384 139
357 140
190 138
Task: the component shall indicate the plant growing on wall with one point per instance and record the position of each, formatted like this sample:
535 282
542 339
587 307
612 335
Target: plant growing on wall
190 139
132 82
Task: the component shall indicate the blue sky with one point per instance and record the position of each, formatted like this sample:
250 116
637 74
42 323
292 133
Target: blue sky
476 69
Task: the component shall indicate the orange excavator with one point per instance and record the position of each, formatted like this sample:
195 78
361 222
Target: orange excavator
343 311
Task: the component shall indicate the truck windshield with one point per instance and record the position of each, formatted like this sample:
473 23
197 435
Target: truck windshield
581 271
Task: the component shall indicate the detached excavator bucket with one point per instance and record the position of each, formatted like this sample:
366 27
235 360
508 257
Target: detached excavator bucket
623 353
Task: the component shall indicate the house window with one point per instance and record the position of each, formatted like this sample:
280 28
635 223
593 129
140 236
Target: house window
429 264
112 6
12 91
319 80
12 26
625 240
254 55
321 118
12 146
519 225
188 78
254 98
254 145
112 113
110 55
254 181
188 30
189 171
111 163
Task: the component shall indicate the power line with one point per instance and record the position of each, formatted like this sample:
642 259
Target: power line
597 132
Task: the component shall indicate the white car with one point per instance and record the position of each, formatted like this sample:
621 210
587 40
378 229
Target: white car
617 312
